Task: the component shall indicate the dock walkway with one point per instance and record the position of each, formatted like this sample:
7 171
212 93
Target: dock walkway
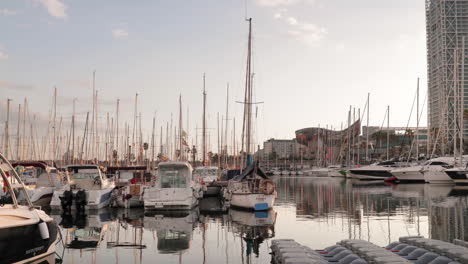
411 249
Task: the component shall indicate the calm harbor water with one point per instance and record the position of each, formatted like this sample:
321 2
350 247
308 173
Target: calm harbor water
316 212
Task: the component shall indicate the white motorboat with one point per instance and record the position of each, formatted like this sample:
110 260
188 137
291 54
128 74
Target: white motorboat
251 190
276 171
174 189
335 171
44 180
413 173
434 170
376 171
89 190
174 230
27 234
131 184
459 175
207 175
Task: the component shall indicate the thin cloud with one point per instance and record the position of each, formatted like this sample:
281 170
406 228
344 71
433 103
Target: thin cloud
3 56
309 33
8 12
15 86
119 33
275 3
55 8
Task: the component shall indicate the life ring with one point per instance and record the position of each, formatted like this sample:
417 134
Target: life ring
267 187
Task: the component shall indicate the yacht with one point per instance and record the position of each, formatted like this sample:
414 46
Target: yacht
335 171
131 183
413 173
251 190
27 234
43 179
459 175
207 175
434 170
174 188
89 190
376 171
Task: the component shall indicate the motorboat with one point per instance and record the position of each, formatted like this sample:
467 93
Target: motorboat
89 190
175 188
252 190
413 173
131 183
43 179
459 175
335 171
434 170
27 234
174 230
376 171
207 175
276 171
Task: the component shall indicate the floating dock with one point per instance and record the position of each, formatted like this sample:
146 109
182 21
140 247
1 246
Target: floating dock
413 249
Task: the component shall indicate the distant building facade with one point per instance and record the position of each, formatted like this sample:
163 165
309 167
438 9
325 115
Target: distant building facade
280 148
446 29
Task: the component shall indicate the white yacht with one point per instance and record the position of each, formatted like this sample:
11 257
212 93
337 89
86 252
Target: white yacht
376 171
44 180
89 189
335 171
207 175
459 175
27 234
434 170
174 189
411 174
251 190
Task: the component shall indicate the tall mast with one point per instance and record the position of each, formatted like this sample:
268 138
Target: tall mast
219 147
7 136
24 145
367 127
226 128
204 123
117 130
135 118
18 134
462 100
152 140
388 132
417 120
54 144
181 152
248 97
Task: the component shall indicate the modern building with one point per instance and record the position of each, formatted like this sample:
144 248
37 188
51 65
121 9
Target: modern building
280 148
446 29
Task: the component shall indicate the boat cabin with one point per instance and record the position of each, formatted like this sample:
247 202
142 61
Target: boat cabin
87 177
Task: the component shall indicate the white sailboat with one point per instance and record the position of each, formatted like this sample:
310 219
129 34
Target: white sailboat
89 190
174 188
27 234
251 189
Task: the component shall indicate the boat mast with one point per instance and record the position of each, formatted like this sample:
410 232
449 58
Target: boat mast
117 131
181 152
226 128
388 132
18 134
248 96
462 100
7 136
204 123
417 121
367 127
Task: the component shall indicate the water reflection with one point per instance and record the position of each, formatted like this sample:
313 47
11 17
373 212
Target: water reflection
317 212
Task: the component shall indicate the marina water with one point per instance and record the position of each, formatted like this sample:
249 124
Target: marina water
316 212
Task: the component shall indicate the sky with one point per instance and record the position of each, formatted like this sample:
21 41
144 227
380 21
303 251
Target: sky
313 59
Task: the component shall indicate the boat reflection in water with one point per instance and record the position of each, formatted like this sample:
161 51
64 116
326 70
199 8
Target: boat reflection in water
173 228
253 227
85 232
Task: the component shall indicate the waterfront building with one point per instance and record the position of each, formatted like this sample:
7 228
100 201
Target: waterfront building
446 29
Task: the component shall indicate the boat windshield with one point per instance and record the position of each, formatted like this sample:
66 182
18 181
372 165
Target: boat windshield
84 174
173 177
206 172
9 182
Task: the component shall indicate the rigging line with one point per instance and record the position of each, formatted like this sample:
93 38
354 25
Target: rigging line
407 125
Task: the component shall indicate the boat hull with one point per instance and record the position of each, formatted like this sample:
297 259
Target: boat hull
253 201
409 175
96 199
367 175
171 199
458 177
437 176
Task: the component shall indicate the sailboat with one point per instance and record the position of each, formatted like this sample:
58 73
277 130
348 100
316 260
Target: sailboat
251 189
27 234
